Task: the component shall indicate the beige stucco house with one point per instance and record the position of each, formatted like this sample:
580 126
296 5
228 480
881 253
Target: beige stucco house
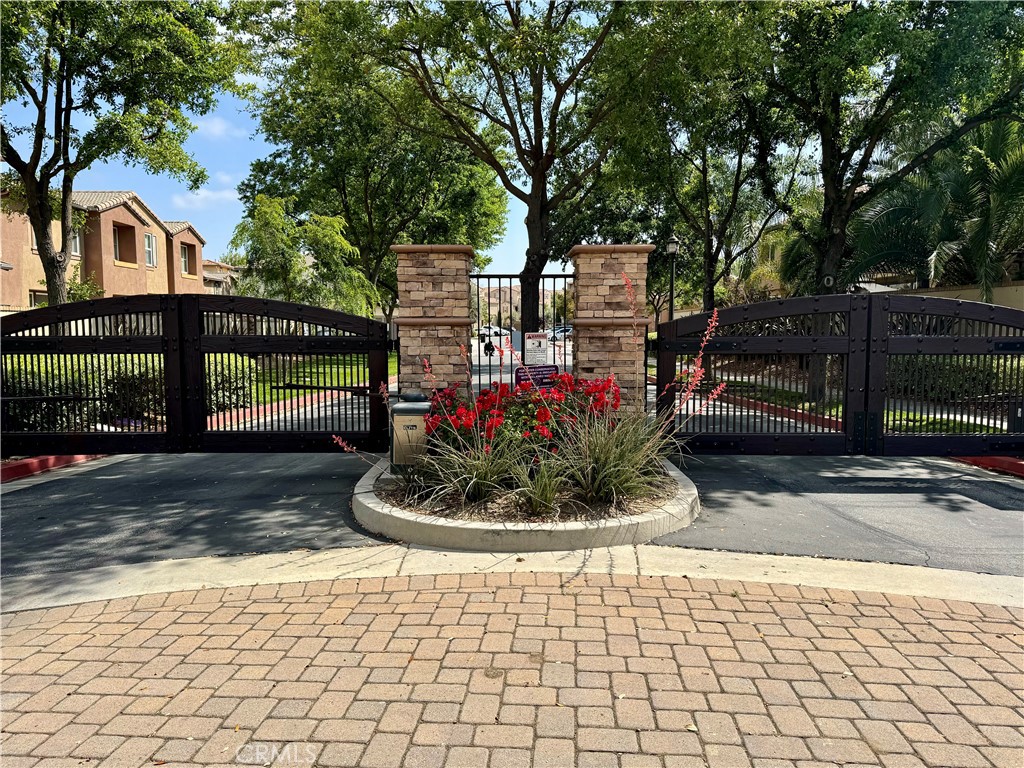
124 245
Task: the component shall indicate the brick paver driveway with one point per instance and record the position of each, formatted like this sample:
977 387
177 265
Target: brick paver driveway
511 670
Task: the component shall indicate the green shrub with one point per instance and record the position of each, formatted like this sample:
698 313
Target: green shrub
75 393
948 378
475 470
607 458
540 487
230 380
133 389
63 403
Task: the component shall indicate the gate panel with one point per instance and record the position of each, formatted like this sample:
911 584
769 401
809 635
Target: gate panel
148 374
874 375
89 377
786 366
954 377
496 311
286 377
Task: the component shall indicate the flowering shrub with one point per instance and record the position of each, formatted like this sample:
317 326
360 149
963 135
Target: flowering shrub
566 446
535 414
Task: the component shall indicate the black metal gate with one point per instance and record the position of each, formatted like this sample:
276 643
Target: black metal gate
850 374
496 311
151 374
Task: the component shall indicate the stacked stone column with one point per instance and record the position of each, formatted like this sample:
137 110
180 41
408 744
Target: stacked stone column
433 315
610 331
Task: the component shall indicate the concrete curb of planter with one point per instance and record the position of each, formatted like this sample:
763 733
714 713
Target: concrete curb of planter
382 518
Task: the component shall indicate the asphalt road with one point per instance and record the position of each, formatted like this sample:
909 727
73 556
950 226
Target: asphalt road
145 508
914 511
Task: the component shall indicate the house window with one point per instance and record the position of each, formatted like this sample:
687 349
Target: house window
37 298
125 248
76 243
150 250
184 260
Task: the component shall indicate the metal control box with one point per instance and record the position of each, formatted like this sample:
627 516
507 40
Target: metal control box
1015 422
408 431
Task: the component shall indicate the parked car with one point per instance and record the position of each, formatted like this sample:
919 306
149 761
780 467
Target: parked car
560 333
486 331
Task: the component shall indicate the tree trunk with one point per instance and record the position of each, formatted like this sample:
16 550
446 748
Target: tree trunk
537 231
55 263
710 267
828 269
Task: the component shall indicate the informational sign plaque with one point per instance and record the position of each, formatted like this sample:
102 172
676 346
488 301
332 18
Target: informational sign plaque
540 375
535 349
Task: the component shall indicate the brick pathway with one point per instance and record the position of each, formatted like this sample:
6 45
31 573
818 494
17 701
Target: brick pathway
510 670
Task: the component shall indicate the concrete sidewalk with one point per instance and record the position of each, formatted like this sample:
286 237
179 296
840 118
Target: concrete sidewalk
590 666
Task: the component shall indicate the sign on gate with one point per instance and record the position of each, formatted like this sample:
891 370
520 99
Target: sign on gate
540 375
535 348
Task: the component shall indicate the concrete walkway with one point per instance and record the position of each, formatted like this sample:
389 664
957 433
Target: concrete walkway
390 656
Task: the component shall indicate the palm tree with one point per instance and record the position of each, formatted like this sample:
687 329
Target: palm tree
958 220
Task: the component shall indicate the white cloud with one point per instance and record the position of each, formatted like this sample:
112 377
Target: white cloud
216 127
204 198
224 179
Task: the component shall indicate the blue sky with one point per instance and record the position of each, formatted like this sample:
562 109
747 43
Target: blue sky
225 143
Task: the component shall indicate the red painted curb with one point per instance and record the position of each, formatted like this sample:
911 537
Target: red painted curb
1007 464
35 465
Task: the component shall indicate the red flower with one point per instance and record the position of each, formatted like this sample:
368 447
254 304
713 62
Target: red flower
546 433
543 414
492 424
526 433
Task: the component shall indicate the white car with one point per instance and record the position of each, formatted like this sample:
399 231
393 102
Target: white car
491 330
561 333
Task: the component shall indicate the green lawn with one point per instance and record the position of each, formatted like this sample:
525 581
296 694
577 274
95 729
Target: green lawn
918 424
283 378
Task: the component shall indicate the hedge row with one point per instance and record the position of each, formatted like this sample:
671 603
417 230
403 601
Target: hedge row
952 378
77 393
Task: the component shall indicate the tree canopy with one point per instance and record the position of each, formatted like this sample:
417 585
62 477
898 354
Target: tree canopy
526 87
83 82
343 152
852 76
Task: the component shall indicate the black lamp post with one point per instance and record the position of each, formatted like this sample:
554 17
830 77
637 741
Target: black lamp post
672 248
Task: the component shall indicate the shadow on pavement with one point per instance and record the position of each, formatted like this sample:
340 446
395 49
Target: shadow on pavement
161 507
915 511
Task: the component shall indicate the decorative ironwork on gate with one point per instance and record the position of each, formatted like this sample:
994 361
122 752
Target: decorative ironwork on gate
191 373
894 375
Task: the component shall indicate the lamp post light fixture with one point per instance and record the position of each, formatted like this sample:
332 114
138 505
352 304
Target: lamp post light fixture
672 248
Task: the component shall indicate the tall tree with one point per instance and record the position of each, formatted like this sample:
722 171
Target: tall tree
850 74
525 86
958 220
303 259
83 82
342 152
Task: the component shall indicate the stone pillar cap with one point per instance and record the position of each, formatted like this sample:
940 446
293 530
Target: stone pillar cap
618 248
467 249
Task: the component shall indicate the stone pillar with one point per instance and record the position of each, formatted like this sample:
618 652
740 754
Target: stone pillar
610 333
433 315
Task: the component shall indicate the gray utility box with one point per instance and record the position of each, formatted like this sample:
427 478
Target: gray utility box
1016 413
408 430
